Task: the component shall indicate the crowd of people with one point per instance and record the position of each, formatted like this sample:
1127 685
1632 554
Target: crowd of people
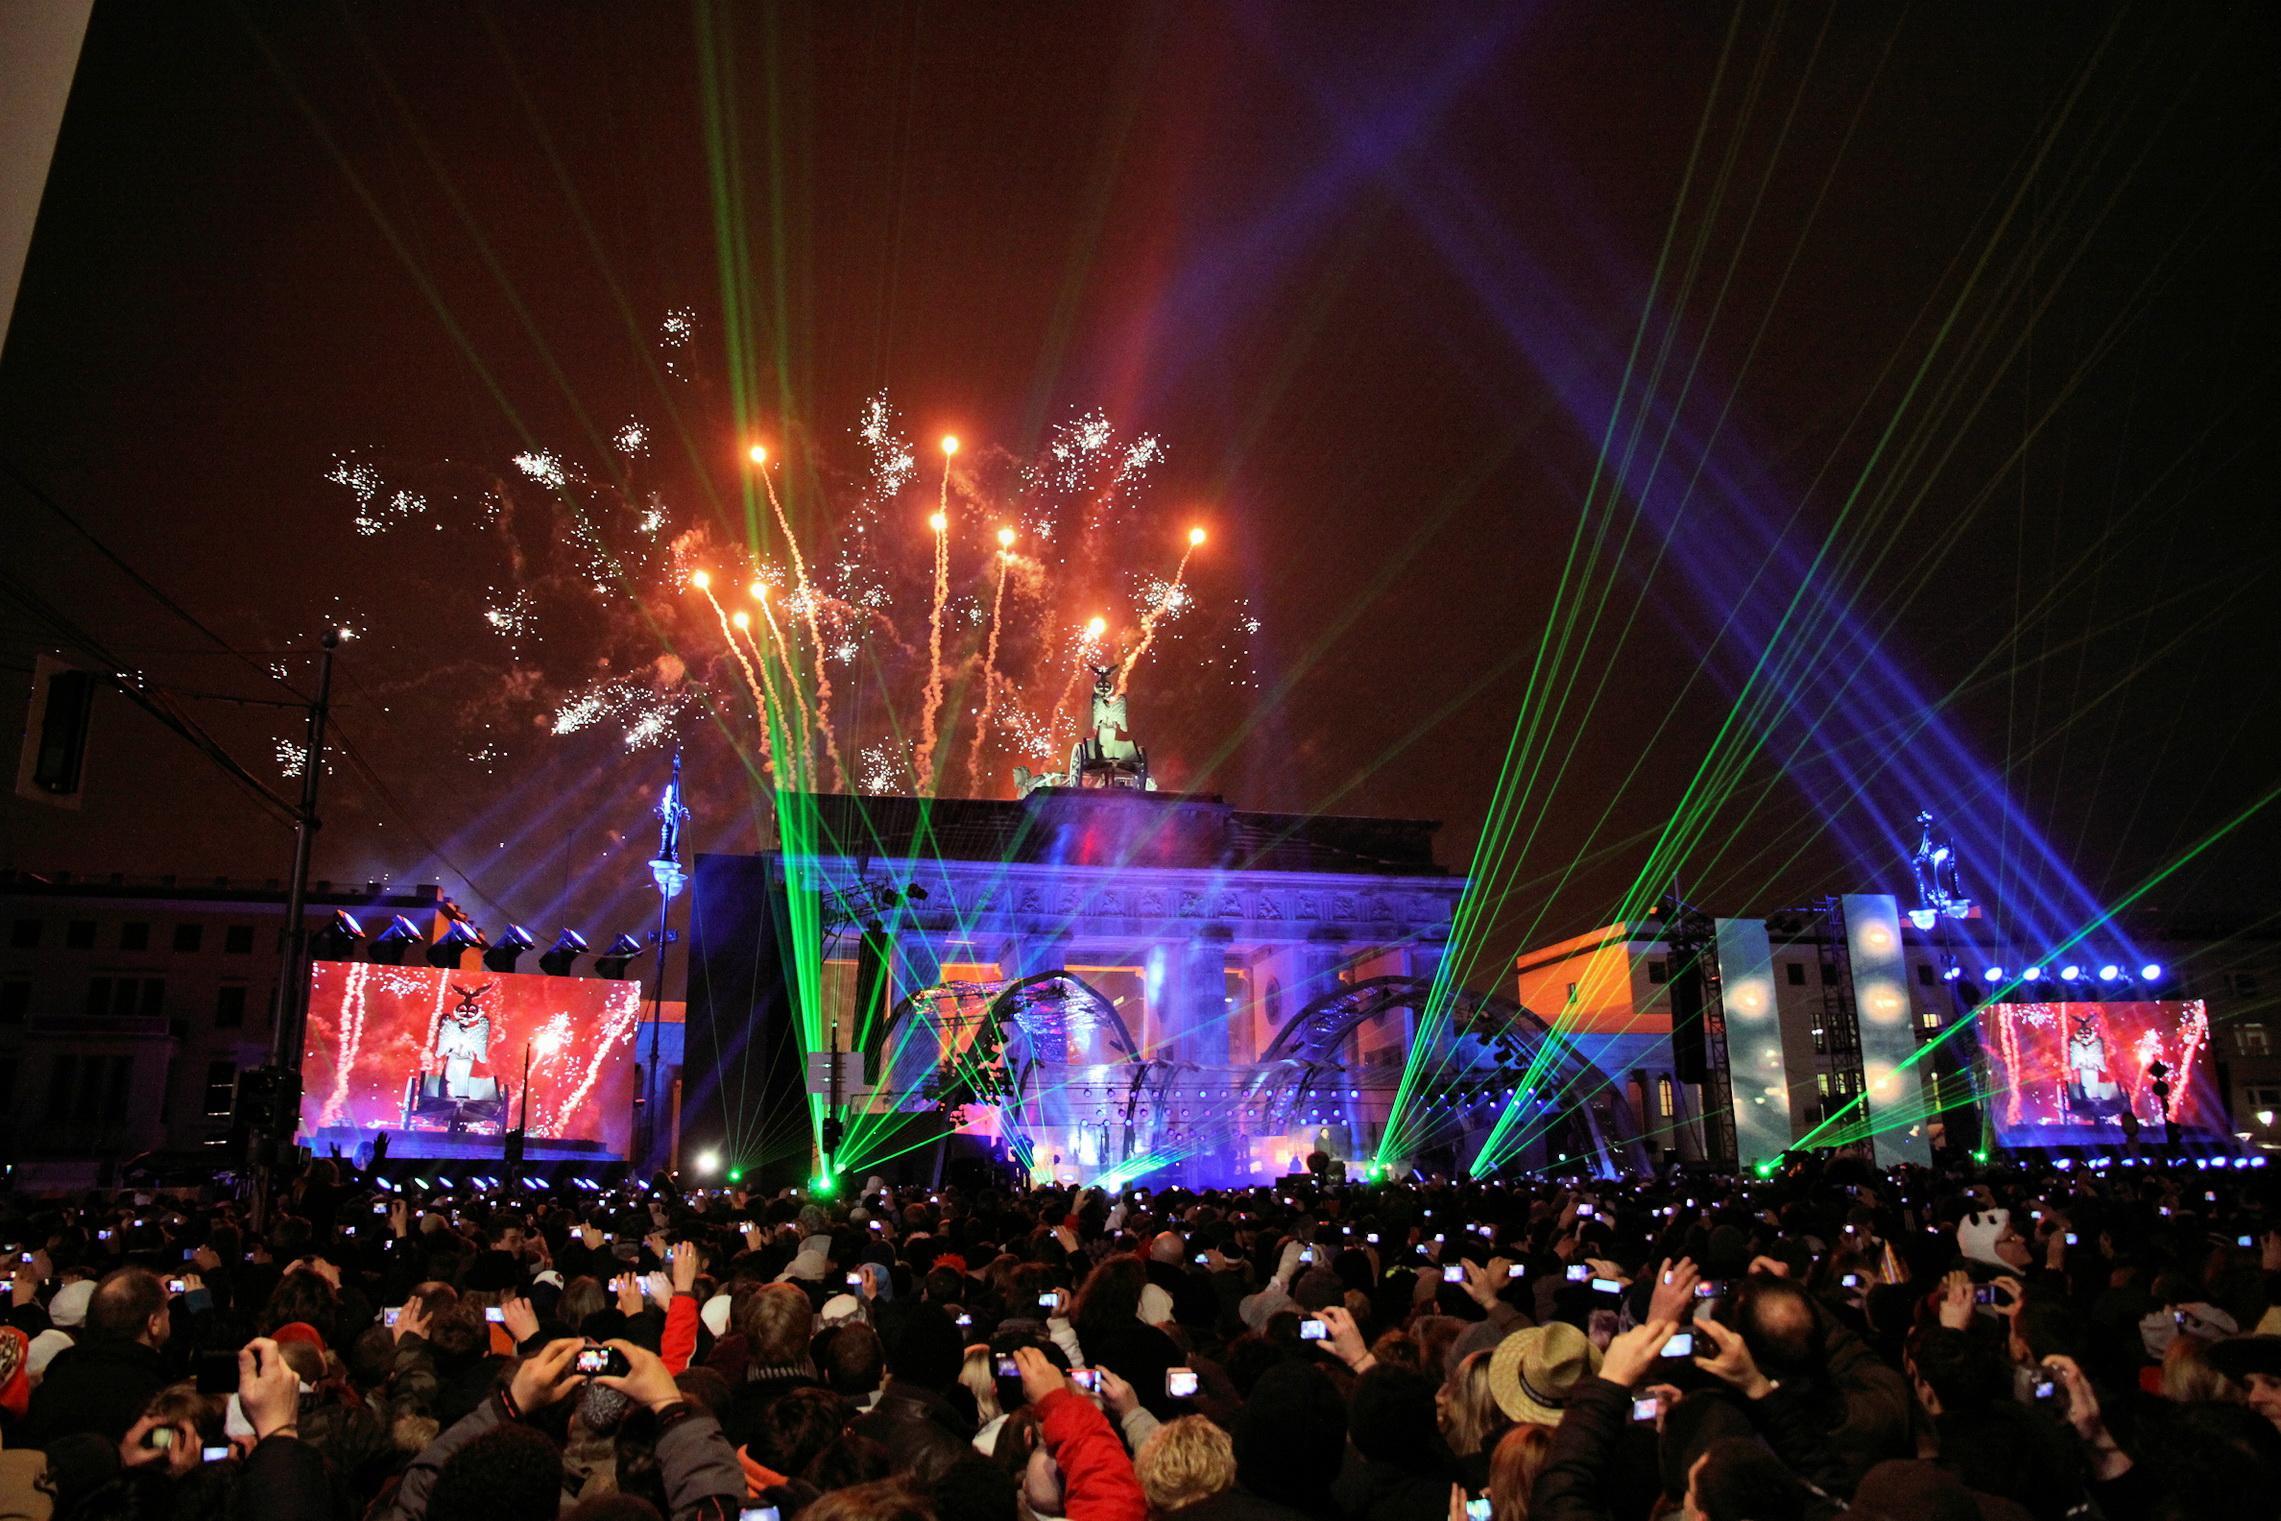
2022 1342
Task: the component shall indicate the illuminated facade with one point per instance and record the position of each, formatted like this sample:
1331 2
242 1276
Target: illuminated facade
1101 982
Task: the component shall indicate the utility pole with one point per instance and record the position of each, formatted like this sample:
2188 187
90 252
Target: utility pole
291 1008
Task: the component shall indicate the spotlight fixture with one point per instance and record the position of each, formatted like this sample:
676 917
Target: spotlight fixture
2071 973
708 1162
390 945
2032 974
1994 974
337 940
457 941
511 943
2151 972
567 948
2110 972
1951 973
612 962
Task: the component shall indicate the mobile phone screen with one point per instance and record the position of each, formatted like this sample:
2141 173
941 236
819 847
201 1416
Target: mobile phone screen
214 1454
1606 1286
1477 1510
494 1314
1643 1408
1312 1329
1681 1345
1454 1273
1180 1383
1578 1272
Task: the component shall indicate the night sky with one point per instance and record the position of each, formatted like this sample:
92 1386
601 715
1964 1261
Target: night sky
1963 321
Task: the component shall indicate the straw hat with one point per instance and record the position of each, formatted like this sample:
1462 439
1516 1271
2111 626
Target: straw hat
1533 1370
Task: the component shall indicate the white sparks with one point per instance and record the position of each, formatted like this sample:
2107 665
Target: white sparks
632 440
545 467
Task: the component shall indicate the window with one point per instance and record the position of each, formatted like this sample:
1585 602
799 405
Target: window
15 1000
1924 974
125 997
1928 1019
98 997
230 1006
134 935
1658 971
1795 971
188 937
1663 1097
237 940
79 935
2249 1039
1822 1084
1829 974
1572 992
25 936
153 1001
2242 984
221 1088
62 1075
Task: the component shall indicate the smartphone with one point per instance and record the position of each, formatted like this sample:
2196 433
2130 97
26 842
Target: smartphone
380 1206
388 1316
878 1225
1454 1273
495 1314
1180 1383
1006 1367
1682 1344
1202 1259
1514 1270
1372 1238
757 1513
1477 1510
1585 1211
177 1286
1710 1288
1578 1272
217 1372
1050 1300
1850 1280
1307 1253
2046 1390
1984 1293
601 1360
159 1438
1087 1379
1643 1408
2237 1241
854 1280
2071 1238
1312 1329
1606 1286
965 1321
219 1454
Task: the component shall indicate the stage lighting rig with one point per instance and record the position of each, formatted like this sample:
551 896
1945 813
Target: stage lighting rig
503 952
391 945
337 940
866 902
461 938
567 948
613 961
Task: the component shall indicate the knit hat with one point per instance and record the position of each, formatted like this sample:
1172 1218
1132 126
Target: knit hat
1533 1370
809 1265
69 1307
715 1314
299 1330
1289 1436
840 1309
1976 1236
44 1348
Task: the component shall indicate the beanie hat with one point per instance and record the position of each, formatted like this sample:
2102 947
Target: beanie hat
715 1314
299 1330
69 1307
44 1348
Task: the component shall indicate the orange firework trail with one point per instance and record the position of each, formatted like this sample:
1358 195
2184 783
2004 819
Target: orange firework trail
990 663
799 706
760 701
807 595
1088 645
1168 603
923 762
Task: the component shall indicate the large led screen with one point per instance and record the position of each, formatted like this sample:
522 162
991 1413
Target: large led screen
2064 1074
433 1050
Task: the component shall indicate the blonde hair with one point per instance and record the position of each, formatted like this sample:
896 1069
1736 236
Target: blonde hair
1513 1470
1185 1461
979 1373
776 1321
1470 1416
2187 1376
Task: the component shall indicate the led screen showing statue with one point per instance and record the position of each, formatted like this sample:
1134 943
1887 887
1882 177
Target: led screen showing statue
2079 1074
437 1051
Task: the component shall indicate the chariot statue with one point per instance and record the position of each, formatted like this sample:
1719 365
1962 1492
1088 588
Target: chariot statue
1105 755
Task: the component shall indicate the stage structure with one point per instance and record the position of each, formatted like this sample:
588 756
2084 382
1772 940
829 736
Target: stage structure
1102 982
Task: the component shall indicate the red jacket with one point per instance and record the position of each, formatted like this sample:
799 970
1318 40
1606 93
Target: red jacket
1097 1479
678 1344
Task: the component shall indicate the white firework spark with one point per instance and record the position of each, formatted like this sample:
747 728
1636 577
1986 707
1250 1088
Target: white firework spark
544 466
632 440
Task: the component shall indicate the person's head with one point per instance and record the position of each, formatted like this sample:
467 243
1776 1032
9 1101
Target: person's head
880 1500
2189 1375
1776 1318
1738 1480
1184 1461
853 1361
796 1426
775 1320
1470 1417
1513 1466
1168 1247
509 1473
924 1347
978 1375
1390 1419
581 1297
1954 1372
301 1295
129 1305
1112 1294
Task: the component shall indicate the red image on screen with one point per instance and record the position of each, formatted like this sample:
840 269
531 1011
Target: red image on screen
431 1049
2067 1073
